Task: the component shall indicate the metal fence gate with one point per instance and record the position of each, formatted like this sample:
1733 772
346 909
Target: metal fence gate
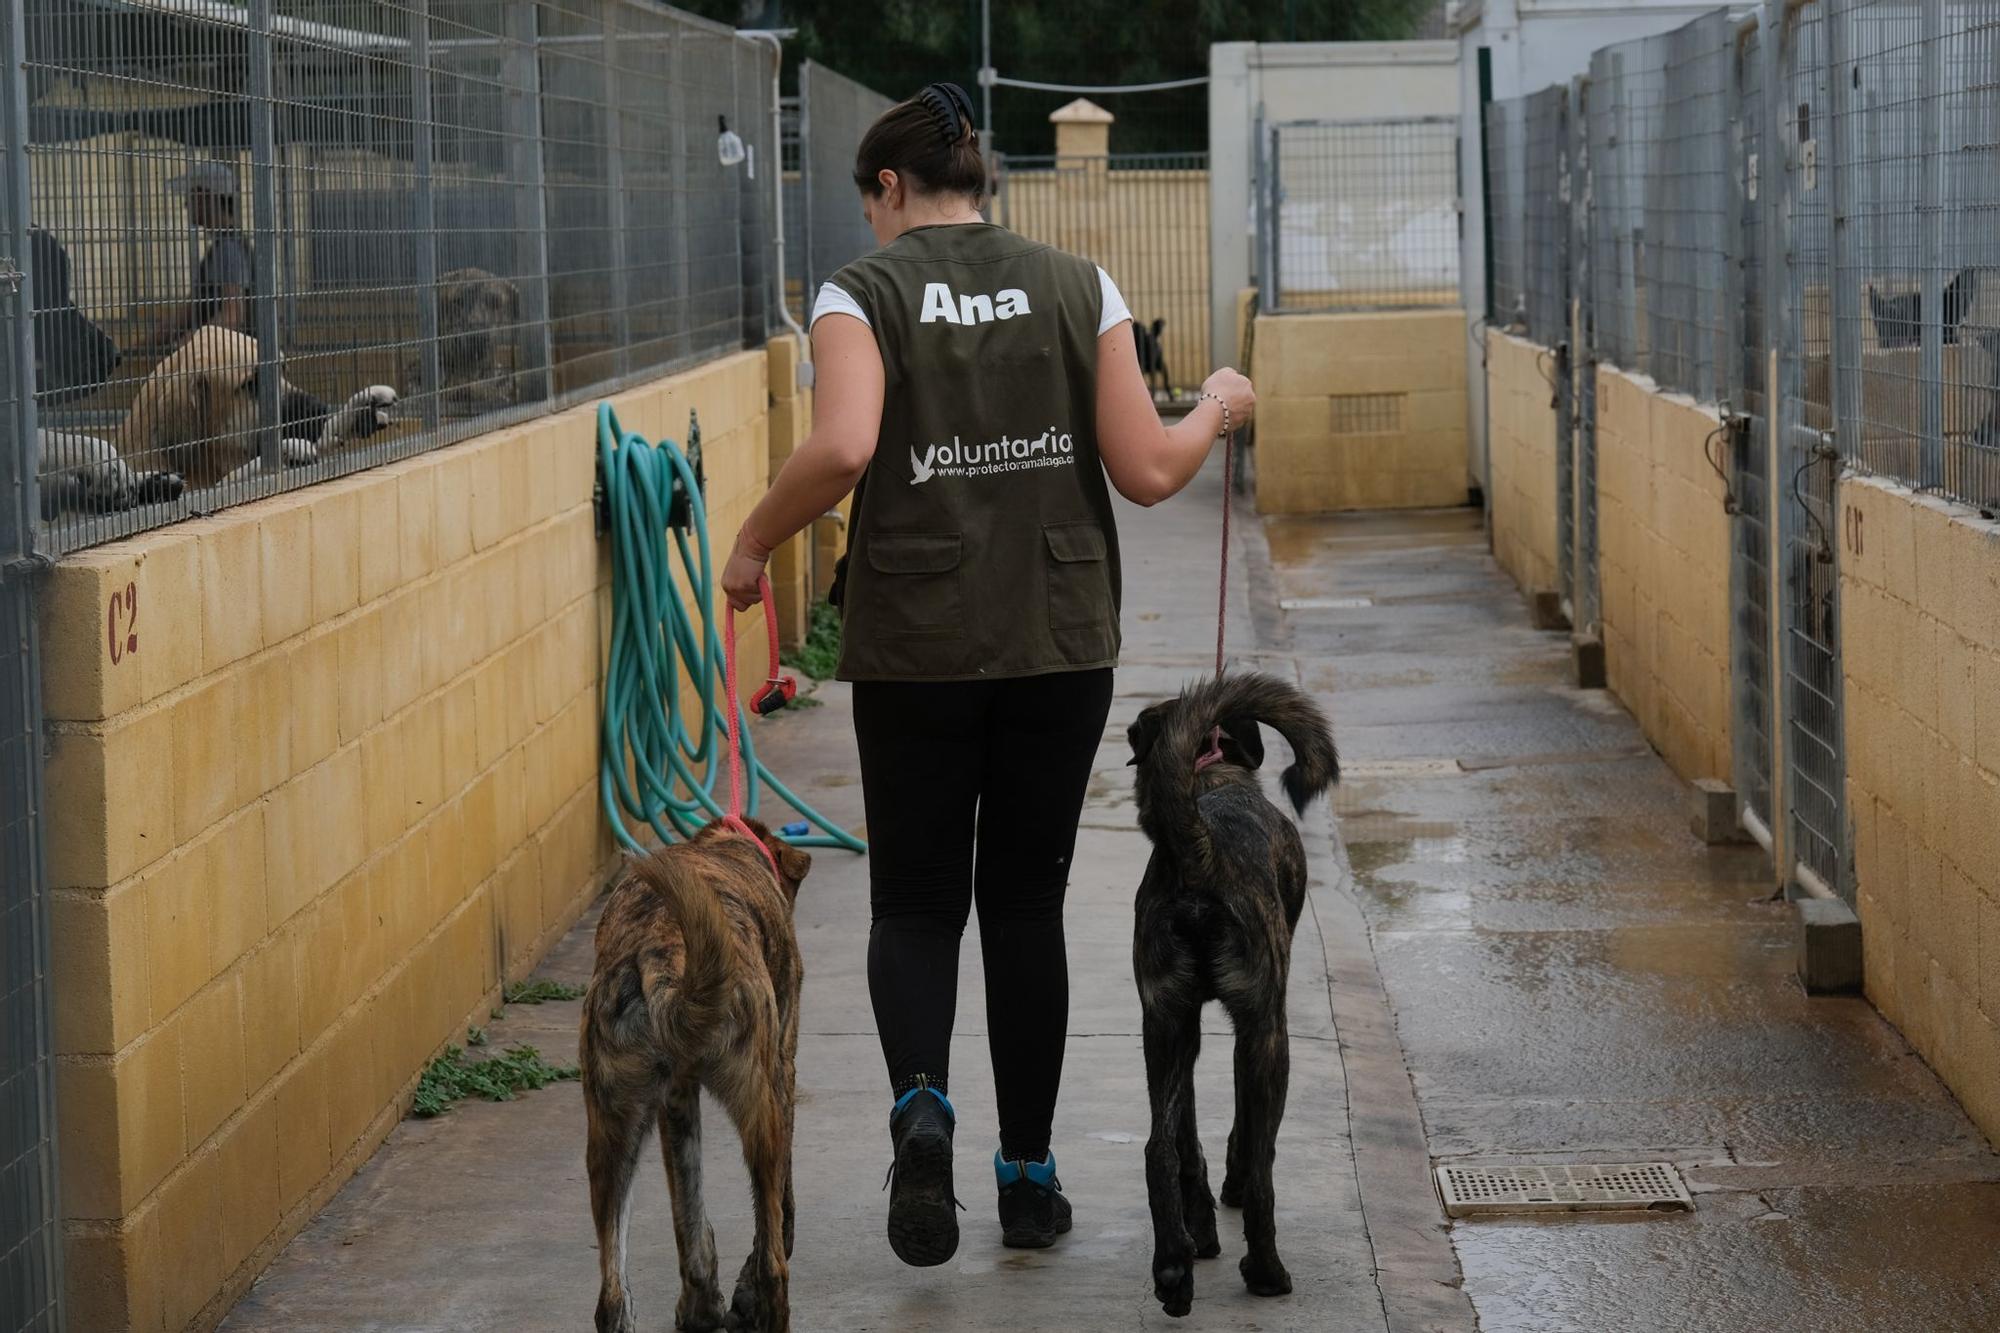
29 1260
1808 459
1144 218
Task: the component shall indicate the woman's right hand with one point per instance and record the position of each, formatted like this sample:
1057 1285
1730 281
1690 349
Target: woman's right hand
1236 391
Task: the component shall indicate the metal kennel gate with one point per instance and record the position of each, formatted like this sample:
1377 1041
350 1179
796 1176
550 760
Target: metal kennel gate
1808 457
30 1286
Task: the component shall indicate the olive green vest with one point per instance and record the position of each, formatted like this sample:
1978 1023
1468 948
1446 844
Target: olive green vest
981 543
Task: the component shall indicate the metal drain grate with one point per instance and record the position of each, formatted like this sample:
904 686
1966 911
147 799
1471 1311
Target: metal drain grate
1474 1191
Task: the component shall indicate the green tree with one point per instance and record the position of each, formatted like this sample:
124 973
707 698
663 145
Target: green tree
897 46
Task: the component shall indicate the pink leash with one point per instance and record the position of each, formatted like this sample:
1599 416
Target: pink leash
1213 754
776 687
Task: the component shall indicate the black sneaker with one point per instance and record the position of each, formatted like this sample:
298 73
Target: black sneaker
1033 1211
923 1216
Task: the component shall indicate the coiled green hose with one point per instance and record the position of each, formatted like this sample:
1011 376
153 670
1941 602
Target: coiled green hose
676 762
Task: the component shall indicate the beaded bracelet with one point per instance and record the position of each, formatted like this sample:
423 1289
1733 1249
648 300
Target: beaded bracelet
1216 399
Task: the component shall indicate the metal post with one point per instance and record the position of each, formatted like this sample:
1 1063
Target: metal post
264 194
1930 241
614 194
810 278
29 1224
680 283
1729 383
986 73
523 81
426 211
1266 149
1772 189
1844 375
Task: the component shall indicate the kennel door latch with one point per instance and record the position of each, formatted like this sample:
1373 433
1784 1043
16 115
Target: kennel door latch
11 275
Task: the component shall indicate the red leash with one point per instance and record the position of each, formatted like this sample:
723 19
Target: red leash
1222 595
1213 754
777 691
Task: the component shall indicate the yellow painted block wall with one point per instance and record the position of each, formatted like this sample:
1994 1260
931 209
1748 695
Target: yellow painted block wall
791 420
323 775
1360 411
1920 642
1521 459
1663 570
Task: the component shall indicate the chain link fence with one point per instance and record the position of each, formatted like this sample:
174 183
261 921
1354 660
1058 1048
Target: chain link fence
1507 213
1814 188
834 112
279 242
1546 299
1360 215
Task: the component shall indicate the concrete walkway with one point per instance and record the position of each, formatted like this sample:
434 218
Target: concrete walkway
1567 974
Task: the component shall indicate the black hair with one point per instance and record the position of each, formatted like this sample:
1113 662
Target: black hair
930 141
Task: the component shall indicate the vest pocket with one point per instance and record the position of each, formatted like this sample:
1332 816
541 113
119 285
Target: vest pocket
1079 578
919 594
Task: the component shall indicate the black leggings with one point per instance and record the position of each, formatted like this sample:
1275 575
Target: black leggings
945 766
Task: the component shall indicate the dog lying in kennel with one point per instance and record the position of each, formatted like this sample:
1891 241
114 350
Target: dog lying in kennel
194 423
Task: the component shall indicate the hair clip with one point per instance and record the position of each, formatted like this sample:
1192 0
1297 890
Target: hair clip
947 105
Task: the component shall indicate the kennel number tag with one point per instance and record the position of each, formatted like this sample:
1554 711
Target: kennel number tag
1809 163
121 623
1750 178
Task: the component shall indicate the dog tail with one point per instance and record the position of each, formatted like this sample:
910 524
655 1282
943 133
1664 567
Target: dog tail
689 1017
1167 788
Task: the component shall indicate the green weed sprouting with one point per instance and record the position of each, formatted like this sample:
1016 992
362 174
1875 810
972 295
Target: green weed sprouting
819 655
539 990
452 1078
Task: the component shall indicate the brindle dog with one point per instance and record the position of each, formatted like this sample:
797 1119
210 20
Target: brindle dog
696 986
1214 921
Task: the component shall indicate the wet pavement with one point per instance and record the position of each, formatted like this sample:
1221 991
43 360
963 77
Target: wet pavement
1576 978
1514 951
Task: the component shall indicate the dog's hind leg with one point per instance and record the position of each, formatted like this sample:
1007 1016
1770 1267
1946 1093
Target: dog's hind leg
1263 1071
763 1289
700 1306
1172 1041
1197 1201
617 1126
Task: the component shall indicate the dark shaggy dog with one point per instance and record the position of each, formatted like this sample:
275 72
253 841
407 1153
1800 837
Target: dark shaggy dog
1153 355
1214 921
1899 318
696 986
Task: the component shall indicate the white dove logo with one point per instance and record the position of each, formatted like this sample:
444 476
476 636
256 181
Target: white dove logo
921 470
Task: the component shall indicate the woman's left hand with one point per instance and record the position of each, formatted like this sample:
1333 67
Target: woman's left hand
744 572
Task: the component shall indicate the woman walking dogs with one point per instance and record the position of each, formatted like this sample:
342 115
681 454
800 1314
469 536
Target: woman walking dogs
975 390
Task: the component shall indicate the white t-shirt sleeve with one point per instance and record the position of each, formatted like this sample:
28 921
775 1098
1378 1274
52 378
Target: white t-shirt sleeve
835 301
1115 308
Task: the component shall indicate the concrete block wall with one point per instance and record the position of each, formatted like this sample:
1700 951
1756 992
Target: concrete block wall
1521 459
1360 411
1920 640
1663 538
791 421
323 775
